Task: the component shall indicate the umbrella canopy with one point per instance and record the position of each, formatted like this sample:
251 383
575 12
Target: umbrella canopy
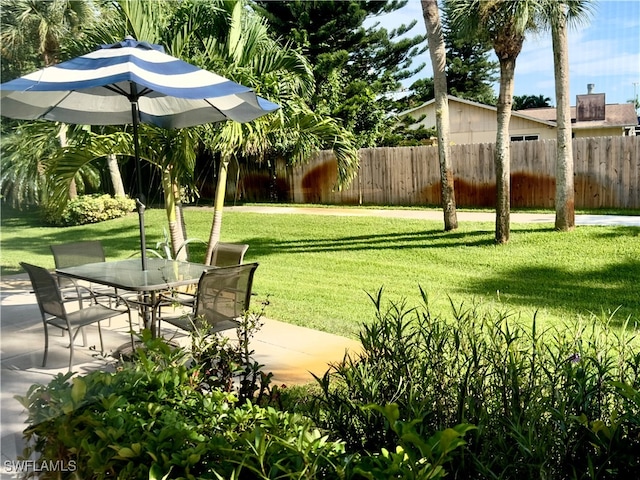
98 88
127 83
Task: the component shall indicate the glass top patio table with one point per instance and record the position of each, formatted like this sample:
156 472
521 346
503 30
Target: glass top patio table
161 275
128 275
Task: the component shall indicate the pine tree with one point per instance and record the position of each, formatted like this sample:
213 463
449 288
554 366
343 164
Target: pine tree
354 67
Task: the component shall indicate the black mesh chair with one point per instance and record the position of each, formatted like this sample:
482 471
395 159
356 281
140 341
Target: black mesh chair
72 255
222 297
54 311
227 254
224 255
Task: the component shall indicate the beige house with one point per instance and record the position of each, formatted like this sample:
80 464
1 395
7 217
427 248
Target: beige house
473 122
592 117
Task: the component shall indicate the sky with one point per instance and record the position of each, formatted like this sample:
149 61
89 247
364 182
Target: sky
604 52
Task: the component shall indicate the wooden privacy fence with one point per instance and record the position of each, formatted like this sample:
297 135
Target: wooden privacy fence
606 174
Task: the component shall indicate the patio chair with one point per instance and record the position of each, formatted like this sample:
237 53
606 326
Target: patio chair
54 311
224 255
72 255
227 254
222 297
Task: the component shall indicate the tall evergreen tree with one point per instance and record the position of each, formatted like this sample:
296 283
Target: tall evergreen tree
353 67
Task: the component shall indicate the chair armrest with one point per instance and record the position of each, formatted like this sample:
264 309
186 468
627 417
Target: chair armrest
179 298
90 293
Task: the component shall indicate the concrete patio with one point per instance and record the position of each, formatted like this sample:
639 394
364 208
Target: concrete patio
290 352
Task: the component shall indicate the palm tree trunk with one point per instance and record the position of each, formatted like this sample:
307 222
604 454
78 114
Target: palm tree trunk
502 157
439 61
565 208
218 205
175 230
62 138
180 219
73 189
116 176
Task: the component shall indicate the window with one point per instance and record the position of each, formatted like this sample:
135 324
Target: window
521 138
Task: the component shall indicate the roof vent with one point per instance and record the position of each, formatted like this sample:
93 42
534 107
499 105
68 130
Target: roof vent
590 87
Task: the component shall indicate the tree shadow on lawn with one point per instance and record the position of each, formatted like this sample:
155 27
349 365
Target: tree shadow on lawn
116 241
597 291
261 246
619 232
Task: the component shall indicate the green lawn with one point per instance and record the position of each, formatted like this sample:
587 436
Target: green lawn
317 270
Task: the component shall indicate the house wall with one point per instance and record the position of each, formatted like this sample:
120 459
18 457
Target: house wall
598 132
522 126
469 124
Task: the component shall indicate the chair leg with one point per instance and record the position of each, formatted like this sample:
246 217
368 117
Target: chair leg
46 345
71 341
84 336
133 345
100 335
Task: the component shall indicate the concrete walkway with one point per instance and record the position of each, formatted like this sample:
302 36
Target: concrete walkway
434 214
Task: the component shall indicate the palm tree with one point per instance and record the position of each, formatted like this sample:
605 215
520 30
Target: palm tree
522 102
558 14
83 148
504 23
242 50
45 24
23 176
227 38
437 52
31 156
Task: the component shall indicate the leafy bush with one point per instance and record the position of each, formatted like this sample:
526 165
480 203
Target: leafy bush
414 457
559 404
150 419
91 209
173 413
228 365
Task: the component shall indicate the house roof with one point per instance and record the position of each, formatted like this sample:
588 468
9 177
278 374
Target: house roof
487 107
616 115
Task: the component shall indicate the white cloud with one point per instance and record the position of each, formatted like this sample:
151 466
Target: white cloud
605 52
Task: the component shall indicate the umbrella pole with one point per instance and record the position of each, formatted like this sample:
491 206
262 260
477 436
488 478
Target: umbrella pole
140 199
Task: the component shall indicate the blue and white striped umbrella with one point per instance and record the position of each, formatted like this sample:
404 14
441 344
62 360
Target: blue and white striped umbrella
98 88
127 83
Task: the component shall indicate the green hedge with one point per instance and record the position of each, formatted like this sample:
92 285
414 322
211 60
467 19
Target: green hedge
154 418
558 404
91 209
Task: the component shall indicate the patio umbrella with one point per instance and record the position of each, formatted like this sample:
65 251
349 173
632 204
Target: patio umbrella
127 83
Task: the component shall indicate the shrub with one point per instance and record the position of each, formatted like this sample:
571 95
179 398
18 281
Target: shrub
228 365
558 404
91 209
150 419
169 412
